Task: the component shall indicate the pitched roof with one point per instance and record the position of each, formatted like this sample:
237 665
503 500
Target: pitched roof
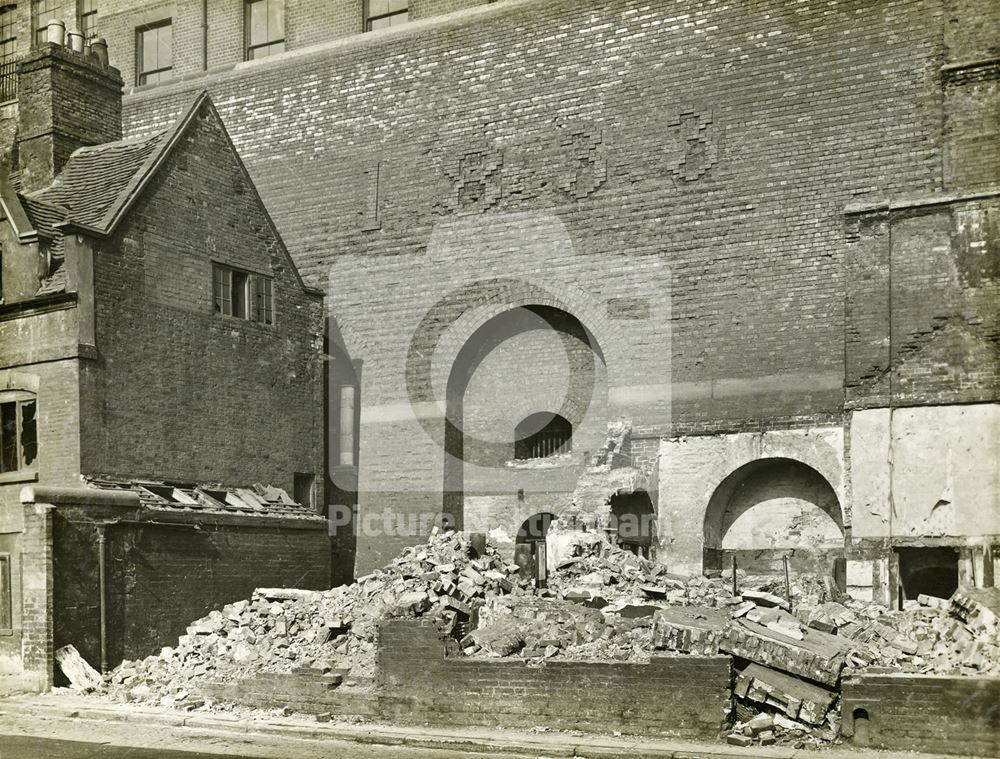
99 183
95 178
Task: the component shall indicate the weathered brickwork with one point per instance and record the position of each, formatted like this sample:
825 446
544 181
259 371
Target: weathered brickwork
179 391
932 714
421 683
166 573
922 326
698 156
162 570
678 696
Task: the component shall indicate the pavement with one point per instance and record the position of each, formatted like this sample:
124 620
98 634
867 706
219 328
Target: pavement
62 715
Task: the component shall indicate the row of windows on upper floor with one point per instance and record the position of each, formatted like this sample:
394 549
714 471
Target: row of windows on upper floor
263 31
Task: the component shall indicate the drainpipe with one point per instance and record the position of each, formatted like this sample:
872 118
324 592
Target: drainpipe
204 35
102 581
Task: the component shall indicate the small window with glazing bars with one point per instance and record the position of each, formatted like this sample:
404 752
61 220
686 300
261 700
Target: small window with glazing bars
243 294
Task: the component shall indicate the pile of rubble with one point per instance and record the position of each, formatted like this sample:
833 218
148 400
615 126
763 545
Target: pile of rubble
280 630
791 646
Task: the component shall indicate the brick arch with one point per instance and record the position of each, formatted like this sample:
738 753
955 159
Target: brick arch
798 478
589 311
490 331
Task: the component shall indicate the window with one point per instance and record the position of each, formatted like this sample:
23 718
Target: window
542 435
381 14
8 33
18 433
88 18
154 53
6 596
243 294
42 12
265 28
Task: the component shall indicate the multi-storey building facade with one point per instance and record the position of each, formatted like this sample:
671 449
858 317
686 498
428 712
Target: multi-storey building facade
152 327
764 234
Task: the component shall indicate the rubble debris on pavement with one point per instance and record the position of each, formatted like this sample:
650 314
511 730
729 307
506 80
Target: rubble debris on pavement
791 646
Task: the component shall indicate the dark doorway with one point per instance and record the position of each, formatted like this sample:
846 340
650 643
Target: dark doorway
634 522
529 546
928 571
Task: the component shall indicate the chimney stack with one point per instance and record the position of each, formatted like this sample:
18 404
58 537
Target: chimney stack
66 100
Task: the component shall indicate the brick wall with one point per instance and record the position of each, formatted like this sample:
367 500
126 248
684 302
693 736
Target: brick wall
37 594
56 384
680 696
928 713
419 683
921 321
179 391
699 157
166 569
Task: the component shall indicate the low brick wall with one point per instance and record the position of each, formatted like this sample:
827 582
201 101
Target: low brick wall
929 713
669 696
422 681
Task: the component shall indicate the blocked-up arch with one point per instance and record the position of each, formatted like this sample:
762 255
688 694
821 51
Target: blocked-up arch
524 383
772 507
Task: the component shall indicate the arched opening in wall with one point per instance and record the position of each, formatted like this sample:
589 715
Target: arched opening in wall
518 390
770 509
862 727
633 523
541 435
927 571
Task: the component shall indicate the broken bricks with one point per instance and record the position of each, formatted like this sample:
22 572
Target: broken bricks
817 656
691 630
794 697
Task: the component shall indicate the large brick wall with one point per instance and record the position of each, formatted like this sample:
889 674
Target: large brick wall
928 713
699 157
683 696
179 391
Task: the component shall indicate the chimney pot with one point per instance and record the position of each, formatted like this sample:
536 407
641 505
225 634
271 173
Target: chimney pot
75 41
56 31
99 47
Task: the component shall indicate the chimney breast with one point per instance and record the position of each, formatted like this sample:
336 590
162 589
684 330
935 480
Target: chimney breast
65 101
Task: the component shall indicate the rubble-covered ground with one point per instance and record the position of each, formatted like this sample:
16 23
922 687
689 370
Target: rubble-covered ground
601 604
